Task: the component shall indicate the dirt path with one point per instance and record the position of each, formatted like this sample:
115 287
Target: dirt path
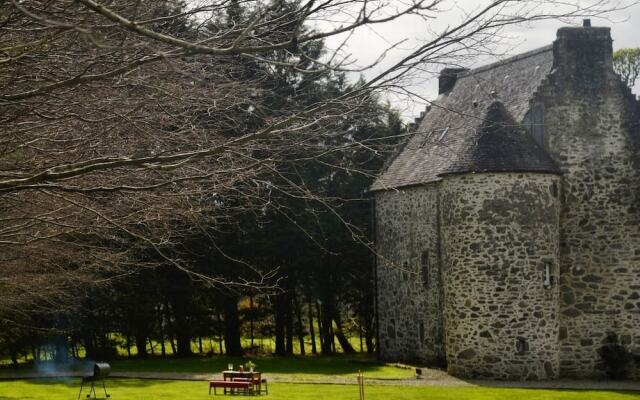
430 378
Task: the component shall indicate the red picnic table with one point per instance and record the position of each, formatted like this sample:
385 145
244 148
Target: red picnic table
247 382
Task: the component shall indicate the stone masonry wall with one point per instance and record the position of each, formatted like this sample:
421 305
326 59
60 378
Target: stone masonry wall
591 131
499 236
409 306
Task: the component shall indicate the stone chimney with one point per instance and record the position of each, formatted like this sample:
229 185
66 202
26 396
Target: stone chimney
584 53
447 79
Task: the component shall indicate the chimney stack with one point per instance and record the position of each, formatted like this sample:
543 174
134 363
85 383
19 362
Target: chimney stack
584 54
447 79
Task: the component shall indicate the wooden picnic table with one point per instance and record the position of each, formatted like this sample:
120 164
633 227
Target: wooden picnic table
254 377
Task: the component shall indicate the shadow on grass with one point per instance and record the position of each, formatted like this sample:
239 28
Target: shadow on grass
301 366
537 390
334 365
109 382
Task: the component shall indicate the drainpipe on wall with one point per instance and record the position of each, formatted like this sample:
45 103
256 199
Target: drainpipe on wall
375 274
442 294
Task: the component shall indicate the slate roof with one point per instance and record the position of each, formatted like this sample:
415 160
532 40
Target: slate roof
476 127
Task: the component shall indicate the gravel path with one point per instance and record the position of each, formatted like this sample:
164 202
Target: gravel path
429 378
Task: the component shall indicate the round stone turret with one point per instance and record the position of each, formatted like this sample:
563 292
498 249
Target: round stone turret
500 248
500 224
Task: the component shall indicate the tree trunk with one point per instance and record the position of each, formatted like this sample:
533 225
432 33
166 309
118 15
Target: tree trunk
171 328
182 330
141 345
163 350
74 349
289 325
182 326
321 331
280 322
220 334
232 328
339 334
89 349
369 334
326 329
312 332
35 353
333 339
251 320
370 343
183 339
360 336
300 326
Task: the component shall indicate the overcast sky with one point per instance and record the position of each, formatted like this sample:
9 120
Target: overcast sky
367 45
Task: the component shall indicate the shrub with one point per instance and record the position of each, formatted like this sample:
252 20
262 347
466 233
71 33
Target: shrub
615 357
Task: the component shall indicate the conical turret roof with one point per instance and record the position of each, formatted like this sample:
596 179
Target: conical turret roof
499 144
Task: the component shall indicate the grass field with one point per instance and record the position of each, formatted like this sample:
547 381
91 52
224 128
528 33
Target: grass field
134 389
302 369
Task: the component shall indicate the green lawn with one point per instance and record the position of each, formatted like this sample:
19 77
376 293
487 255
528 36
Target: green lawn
124 389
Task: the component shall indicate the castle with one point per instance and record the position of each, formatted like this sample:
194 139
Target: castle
508 226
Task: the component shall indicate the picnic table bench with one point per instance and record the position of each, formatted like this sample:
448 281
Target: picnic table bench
233 386
236 382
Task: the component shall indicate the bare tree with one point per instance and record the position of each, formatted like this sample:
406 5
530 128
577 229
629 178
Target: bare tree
129 124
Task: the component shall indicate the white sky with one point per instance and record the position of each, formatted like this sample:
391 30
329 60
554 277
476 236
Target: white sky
367 44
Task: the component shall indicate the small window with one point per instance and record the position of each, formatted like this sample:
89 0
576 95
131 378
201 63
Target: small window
422 332
424 265
522 346
536 123
548 276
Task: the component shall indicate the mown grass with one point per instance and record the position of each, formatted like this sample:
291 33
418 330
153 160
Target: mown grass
135 389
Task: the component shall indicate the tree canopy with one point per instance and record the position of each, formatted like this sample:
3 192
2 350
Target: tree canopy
626 62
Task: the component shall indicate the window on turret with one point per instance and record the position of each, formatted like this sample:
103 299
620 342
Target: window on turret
548 276
522 346
424 266
534 122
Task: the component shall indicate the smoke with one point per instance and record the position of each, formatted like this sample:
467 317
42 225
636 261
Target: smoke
66 371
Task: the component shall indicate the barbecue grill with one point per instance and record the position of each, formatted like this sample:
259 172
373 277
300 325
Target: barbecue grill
100 371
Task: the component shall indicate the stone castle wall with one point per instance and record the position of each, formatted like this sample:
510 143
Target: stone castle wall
409 304
490 237
499 237
591 131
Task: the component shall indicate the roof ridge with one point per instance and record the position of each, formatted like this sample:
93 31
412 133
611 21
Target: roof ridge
506 61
